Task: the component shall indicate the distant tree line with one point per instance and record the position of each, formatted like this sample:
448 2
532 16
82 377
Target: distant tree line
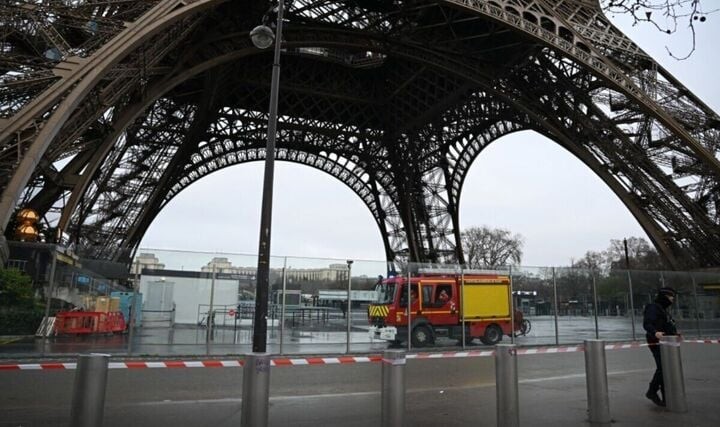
641 256
487 247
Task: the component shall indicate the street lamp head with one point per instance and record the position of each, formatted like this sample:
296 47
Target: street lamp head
262 36
349 262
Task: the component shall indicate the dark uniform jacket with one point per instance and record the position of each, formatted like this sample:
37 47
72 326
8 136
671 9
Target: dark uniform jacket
657 319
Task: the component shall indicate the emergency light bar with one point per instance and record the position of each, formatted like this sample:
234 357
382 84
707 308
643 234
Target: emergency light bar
461 271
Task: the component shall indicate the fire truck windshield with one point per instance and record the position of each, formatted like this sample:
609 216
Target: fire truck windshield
385 293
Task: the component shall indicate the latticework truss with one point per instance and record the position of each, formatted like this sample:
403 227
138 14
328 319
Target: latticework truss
110 108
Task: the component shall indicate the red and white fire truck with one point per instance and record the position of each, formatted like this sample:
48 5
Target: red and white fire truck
440 306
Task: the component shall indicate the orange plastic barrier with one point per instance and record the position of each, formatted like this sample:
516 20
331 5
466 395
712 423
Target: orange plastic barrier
89 322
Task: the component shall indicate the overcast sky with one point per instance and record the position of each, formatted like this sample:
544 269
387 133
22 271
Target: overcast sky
523 182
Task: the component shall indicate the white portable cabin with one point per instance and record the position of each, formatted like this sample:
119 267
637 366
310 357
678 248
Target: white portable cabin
334 297
189 293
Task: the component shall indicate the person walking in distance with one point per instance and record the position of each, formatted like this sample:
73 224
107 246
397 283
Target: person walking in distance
658 322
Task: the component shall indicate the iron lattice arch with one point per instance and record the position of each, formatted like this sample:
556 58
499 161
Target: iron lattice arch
109 109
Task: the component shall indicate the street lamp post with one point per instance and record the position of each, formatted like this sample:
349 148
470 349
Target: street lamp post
348 311
262 37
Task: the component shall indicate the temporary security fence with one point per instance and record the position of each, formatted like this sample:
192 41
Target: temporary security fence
328 313
321 305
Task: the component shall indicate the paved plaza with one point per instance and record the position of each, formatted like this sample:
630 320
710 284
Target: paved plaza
440 392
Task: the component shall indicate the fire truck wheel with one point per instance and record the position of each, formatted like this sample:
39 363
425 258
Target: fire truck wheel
493 335
421 336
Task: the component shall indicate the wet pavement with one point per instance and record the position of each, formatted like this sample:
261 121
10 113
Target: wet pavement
328 337
439 392
442 391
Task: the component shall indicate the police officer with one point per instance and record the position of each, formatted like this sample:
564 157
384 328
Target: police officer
658 322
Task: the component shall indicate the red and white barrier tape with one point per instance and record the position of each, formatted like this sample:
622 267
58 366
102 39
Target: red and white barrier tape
703 341
197 363
324 360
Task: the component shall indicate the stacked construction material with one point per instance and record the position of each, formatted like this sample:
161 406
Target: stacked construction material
103 315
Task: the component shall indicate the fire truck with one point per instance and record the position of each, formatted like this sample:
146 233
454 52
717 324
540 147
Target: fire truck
439 307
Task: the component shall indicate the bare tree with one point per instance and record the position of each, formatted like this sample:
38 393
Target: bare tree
592 260
491 247
668 16
641 255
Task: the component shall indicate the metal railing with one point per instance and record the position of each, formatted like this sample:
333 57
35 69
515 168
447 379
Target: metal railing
557 305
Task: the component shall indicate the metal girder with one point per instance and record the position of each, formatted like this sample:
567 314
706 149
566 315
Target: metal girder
82 81
611 153
396 100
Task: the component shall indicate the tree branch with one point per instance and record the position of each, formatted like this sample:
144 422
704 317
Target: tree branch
672 11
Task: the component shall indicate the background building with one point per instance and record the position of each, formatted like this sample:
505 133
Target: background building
146 260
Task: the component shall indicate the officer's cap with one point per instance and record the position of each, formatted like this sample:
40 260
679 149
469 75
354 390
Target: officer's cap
667 291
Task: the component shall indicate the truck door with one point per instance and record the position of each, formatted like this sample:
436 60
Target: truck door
415 304
439 301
